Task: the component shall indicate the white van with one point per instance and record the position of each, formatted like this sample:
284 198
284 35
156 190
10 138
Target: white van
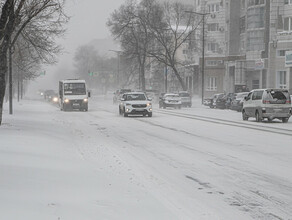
73 95
267 103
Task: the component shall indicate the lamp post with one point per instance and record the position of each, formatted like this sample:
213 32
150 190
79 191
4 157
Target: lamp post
203 50
118 52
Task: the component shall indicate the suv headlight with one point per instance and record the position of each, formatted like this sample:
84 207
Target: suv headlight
85 100
149 104
66 101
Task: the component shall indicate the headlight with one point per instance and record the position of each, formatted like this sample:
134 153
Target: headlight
66 100
149 104
85 100
55 99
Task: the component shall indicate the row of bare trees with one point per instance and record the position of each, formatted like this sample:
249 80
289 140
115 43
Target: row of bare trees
29 28
149 31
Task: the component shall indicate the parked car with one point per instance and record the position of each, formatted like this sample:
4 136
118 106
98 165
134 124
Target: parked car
237 102
170 100
118 94
220 102
186 99
211 102
48 94
229 98
267 103
135 103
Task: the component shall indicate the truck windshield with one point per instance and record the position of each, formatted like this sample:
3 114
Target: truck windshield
74 89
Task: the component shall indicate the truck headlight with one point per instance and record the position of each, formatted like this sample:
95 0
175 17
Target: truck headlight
55 99
66 101
85 100
149 104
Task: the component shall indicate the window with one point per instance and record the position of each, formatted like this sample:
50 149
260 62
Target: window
288 24
257 95
281 53
281 80
213 27
242 44
256 17
255 40
255 84
214 62
213 7
213 47
256 2
288 2
242 24
212 84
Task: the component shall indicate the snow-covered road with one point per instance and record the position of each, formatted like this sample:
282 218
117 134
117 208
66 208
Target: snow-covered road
99 165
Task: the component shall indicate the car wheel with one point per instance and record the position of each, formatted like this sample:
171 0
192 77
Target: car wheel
150 114
258 118
244 116
120 111
164 106
285 120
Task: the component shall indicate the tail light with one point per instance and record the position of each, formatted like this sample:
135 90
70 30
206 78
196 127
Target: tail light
288 101
266 102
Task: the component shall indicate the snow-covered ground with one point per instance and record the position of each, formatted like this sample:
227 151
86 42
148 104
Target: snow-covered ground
99 165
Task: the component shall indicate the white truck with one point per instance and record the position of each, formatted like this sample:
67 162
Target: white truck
73 95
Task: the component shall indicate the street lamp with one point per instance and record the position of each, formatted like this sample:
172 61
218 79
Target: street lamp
118 52
203 49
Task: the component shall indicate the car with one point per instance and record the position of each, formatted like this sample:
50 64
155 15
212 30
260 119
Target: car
237 102
186 99
267 103
135 103
211 102
48 94
118 94
170 100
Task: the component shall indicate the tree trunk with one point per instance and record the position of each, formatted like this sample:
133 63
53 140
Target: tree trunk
3 71
182 83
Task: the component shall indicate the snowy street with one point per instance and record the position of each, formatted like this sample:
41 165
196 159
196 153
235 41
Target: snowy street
193 163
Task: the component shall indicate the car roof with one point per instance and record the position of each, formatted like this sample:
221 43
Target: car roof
133 93
166 94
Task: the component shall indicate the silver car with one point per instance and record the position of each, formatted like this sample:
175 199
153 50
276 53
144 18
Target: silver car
267 103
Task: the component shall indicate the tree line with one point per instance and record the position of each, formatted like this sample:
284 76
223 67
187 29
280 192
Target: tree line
153 33
28 29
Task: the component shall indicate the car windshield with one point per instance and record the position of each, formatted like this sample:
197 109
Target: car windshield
135 97
184 94
172 97
74 89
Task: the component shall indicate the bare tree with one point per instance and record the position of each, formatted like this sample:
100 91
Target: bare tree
39 22
173 28
129 25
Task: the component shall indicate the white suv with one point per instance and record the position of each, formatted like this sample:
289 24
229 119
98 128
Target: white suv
267 103
135 103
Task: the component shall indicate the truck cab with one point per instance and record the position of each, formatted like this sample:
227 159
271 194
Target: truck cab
73 95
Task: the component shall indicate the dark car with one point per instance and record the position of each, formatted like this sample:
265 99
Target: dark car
212 101
49 94
237 102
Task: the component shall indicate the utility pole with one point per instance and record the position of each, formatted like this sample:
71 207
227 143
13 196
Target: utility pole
203 51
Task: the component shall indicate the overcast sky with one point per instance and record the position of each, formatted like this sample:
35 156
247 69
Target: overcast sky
88 22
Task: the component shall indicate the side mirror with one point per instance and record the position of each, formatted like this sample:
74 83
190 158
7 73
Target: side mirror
149 99
89 94
122 99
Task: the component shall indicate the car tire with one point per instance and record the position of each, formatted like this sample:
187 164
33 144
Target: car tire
258 118
120 111
244 116
150 114
285 120
164 106
125 114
